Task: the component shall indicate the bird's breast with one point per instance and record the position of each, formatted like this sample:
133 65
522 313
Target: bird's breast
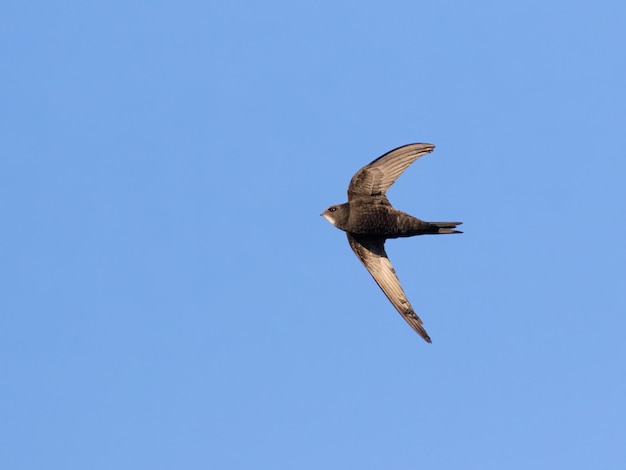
372 219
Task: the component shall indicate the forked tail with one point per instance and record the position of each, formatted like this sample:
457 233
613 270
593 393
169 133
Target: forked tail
443 227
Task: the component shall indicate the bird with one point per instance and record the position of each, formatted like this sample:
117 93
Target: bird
369 219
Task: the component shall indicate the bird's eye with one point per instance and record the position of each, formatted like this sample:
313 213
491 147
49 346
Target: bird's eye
332 209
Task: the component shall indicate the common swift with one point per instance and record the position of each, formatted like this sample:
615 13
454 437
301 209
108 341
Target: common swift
369 219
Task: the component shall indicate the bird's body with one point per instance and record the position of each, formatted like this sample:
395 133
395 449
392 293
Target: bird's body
369 219
376 217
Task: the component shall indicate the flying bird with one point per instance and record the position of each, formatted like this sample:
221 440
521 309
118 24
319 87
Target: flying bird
369 219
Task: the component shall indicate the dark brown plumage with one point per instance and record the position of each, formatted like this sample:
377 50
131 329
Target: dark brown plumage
369 219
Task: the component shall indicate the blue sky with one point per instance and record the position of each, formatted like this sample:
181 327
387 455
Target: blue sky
172 299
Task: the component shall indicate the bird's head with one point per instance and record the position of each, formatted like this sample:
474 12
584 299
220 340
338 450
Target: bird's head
337 215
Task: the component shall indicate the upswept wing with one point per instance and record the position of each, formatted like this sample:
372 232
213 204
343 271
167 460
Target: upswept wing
371 252
375 178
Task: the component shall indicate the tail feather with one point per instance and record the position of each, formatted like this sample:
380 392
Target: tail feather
445 227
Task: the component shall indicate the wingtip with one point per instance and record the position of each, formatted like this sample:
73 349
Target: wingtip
425 147
420 330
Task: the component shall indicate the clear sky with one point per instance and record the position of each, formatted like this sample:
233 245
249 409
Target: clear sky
171 297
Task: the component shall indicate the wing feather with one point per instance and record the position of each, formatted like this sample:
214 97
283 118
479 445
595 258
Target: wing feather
371 252
375 178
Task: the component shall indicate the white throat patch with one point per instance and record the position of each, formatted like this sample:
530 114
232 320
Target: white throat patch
329 217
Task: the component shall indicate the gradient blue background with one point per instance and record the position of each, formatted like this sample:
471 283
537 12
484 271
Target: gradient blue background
172 299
